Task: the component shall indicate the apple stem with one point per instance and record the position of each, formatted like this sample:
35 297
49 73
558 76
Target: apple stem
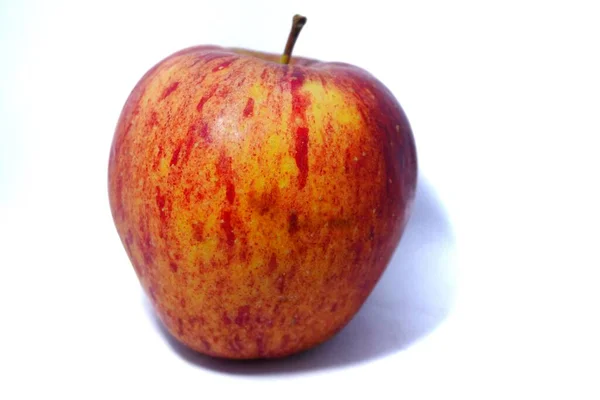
297 24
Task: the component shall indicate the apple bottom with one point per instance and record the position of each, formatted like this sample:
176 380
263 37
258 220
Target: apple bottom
248 334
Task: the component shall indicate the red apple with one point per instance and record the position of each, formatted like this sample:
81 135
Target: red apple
259 201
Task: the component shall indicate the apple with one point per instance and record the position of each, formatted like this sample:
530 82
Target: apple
259 198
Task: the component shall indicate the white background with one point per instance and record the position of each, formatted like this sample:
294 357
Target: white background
494 290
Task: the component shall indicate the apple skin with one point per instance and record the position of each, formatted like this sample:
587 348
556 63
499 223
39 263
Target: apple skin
258 202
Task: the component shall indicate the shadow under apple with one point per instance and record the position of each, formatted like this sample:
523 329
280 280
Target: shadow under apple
411 299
